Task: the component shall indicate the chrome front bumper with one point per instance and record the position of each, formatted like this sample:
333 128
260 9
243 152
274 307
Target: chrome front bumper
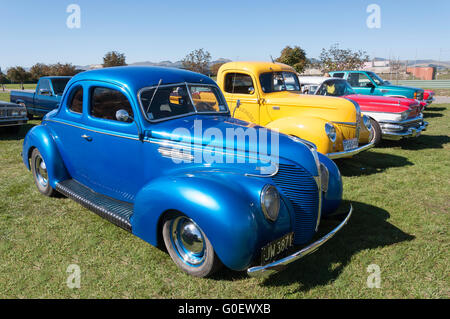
5 121
351 152
273 267
395 135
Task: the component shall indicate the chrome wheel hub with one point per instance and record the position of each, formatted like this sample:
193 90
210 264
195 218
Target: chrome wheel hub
188 240
41 171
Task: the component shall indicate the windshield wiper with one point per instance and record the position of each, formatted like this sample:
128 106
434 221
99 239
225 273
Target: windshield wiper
154 93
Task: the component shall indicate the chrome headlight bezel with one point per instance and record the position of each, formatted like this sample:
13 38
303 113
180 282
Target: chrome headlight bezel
367 122
330 130
270 201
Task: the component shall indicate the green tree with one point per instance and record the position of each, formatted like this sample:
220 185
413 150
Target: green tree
336 59
19 75
60 69
114 58
38 70
3 79
295 57
197 61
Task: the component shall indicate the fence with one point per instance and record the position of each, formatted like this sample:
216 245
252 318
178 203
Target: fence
432 84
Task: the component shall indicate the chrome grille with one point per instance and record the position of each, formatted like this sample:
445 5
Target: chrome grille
302 191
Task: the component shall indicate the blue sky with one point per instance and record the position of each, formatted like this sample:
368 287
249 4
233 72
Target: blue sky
36 31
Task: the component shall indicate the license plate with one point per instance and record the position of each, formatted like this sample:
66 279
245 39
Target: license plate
350 144
270 251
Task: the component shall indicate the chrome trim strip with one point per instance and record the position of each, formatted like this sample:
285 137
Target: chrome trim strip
345 123
273 267
407 121
351 152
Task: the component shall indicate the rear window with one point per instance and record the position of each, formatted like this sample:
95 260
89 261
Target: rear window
76 100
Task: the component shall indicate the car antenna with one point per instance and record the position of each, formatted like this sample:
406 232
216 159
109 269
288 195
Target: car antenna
154 93
272 59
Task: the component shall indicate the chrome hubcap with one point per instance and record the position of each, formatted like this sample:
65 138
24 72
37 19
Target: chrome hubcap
188 240
41 171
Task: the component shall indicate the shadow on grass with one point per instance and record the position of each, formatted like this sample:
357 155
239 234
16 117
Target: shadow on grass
8 134
368 163
367 229
418 143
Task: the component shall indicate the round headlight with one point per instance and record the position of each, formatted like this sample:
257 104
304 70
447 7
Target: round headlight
270 202
367 122
331 132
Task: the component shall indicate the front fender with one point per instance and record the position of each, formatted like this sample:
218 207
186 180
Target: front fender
225 214
331 200
308 128
40 137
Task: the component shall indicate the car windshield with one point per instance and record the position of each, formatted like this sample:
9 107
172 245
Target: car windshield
59 85
335 88
279 81
376 78
168 101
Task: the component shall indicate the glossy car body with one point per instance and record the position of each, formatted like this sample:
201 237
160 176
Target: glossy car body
369 83
12 115
290 112
397 117
132 164
45 98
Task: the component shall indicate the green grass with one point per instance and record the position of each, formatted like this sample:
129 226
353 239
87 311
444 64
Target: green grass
400 193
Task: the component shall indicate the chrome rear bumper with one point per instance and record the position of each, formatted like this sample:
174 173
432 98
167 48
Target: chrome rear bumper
269 269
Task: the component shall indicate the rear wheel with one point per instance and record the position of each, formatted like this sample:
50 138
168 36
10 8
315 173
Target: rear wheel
189 247
40 174
376 131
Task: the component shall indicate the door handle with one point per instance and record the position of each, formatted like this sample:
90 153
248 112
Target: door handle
86 137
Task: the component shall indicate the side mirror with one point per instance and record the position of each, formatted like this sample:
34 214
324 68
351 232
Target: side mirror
123 116
370 85
251 90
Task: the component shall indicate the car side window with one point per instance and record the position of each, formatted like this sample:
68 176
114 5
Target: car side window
105 102
44 85
358 80
338 75
239 83
76 100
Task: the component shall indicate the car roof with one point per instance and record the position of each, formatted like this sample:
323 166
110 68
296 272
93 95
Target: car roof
257 67
137 77
316 79
56 77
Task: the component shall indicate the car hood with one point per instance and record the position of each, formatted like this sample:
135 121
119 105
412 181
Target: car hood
400 87
383 104
224 135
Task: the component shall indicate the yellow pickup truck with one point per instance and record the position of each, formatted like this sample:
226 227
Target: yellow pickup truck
269 94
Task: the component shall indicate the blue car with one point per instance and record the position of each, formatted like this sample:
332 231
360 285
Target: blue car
156 152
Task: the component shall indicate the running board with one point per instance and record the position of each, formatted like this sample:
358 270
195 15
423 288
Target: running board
113 210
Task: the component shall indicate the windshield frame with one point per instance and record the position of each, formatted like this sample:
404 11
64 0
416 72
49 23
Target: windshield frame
284 80
375 78
187 84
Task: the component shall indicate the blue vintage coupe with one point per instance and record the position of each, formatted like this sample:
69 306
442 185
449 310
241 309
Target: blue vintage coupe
149 149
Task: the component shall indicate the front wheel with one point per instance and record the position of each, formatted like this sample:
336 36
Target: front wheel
40 174
376 131
189 247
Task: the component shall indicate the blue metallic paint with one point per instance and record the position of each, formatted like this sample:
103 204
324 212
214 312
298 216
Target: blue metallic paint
220 198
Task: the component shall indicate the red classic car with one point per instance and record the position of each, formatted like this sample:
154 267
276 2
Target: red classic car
428 97
392 118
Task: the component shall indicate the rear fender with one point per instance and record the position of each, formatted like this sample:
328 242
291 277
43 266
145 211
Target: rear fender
39 137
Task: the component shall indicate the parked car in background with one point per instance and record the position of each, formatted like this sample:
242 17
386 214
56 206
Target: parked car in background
45 98
369 83
392 118
125 141
268 94
428 96
12 116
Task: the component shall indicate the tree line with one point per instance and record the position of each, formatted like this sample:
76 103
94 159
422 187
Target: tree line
199 60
